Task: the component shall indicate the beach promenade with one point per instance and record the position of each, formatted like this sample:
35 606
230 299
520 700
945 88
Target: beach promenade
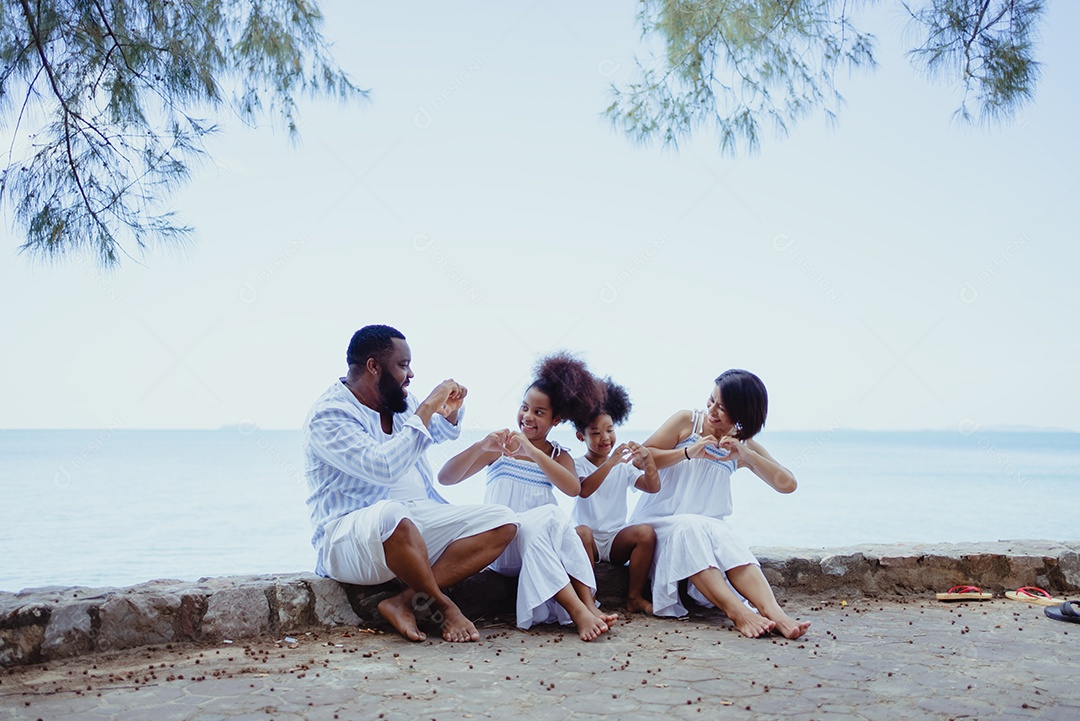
874 651
866 659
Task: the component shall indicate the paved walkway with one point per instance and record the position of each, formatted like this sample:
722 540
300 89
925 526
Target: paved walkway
864 660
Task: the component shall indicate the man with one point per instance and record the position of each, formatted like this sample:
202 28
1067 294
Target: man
372 502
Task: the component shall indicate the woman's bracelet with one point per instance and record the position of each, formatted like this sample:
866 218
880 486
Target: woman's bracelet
686 453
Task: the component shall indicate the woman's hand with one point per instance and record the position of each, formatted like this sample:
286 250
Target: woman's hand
697 450
736 449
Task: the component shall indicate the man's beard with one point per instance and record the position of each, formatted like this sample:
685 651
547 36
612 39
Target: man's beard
394 396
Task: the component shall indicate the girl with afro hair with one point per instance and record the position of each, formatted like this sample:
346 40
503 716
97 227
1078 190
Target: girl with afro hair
606 472
555 577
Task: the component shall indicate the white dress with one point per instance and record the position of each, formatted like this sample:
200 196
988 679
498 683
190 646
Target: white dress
688 516
547 552
605 510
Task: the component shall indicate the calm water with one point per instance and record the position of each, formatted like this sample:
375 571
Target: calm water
122 507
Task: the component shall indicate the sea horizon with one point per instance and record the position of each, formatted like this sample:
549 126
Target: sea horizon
117 506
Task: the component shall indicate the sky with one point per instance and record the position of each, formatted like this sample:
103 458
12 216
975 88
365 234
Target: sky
894 270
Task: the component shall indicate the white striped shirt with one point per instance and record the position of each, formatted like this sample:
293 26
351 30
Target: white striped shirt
350 463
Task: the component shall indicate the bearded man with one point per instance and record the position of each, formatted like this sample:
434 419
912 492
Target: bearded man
371 498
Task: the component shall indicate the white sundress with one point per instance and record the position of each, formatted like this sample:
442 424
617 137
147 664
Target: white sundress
688 515
547 552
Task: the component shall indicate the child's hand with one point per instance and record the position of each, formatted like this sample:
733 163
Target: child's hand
640 456
518 446
619 455
495 441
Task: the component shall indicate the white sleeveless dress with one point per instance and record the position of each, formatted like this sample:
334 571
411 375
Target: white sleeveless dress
688 515
547 552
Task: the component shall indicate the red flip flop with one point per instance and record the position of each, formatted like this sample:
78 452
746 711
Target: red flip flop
964 593
1035 595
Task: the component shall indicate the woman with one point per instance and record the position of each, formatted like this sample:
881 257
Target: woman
696 452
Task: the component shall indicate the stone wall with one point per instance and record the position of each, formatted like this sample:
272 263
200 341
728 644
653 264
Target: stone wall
42 624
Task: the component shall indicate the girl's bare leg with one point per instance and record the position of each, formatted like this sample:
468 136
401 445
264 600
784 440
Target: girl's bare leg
589 625
636 544
751 583
712 585
586 595
586 535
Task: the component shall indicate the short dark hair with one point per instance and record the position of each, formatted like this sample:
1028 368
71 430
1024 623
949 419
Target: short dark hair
745 400
616 404
371 341
574 392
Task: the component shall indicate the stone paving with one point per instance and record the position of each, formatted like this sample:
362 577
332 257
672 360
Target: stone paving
862 659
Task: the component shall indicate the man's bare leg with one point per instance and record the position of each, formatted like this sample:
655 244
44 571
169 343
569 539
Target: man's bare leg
472 554
461 559
712 585
751 583
406 557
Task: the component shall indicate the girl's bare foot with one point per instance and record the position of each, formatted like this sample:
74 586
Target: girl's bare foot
638 605
610 619
750 624
791 629
456 628
400 615
589 624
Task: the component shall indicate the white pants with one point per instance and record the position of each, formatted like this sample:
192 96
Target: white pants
352 549
603 541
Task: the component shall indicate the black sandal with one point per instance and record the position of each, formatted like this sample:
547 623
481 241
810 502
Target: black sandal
1065 612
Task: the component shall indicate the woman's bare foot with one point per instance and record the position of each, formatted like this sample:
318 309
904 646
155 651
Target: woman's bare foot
400 615
791 629
589 625
639 605
456 628
750 624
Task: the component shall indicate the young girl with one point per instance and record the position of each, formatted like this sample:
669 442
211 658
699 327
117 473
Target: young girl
606 471
696 452
555 578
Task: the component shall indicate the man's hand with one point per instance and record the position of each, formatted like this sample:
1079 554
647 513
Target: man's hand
453 402
445 399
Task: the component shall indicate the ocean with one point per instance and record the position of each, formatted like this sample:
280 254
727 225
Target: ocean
118 507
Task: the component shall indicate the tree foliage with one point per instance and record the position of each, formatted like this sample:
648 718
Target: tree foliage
736 65
987 45
113 91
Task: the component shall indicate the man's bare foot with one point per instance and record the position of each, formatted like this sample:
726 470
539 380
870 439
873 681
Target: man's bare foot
791 629
456 628
639 605
750 624
589 624
400 615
